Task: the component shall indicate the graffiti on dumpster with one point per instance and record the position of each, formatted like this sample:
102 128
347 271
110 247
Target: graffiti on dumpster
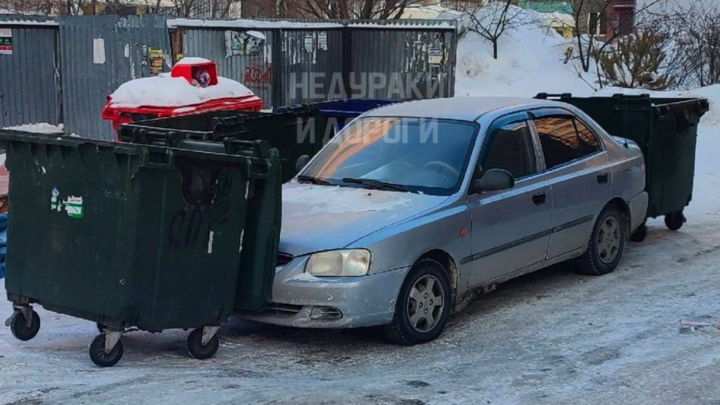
197 225
186 227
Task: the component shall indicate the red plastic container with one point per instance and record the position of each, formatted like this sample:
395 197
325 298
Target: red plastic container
167 96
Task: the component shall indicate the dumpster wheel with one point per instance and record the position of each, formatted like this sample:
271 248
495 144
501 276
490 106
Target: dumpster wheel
195 346
20 327
101 356
675 220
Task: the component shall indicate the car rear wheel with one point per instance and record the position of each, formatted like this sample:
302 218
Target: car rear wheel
423 306
607 244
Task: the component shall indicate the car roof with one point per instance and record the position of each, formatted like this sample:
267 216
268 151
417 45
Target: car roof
459 108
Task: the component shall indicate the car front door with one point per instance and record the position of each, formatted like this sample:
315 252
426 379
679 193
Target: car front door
579 172
510 228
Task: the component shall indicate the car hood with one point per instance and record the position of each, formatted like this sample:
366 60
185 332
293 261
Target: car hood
317 217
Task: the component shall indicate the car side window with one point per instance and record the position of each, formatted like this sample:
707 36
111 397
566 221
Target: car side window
562 142
587 138
511 148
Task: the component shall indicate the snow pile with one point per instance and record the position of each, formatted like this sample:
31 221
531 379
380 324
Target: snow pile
530 61
41 128
192 61
166 91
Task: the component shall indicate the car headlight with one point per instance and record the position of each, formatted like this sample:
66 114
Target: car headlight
339 263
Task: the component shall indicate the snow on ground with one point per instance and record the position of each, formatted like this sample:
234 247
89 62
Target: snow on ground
530 61
41 128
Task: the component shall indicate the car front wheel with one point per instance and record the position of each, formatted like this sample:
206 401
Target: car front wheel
423 306
607 244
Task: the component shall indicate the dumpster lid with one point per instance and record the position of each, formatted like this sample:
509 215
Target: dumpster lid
177 89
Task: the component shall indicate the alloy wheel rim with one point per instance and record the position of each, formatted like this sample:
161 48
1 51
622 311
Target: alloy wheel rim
608 240
425 303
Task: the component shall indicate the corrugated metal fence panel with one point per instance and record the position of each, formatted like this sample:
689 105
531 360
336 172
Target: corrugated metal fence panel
403 65
252 66
408 23
98 55
29 80
312 65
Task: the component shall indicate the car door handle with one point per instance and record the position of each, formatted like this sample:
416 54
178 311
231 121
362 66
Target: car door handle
539 199
603 178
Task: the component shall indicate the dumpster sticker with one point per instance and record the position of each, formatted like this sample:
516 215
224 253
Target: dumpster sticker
6 45
73 206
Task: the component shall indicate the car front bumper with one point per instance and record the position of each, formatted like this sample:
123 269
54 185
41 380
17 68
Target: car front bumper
304 301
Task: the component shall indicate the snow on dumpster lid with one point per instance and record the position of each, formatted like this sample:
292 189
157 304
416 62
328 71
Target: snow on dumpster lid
167 91
193 61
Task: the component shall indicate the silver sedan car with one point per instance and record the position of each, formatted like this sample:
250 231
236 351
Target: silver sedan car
415 208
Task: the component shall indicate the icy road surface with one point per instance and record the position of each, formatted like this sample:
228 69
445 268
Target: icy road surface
551 337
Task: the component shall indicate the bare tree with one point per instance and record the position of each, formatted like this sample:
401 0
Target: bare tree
351 9
696 49
595 30
492 19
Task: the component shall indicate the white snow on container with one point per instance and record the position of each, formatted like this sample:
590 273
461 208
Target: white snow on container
166 91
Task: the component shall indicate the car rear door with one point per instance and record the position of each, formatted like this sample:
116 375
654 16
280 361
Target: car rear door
578 170
510 228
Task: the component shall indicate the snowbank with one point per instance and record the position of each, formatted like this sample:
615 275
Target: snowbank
530 61
166 91
41 128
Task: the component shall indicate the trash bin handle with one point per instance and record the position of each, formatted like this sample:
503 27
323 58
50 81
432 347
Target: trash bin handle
258 169
156 160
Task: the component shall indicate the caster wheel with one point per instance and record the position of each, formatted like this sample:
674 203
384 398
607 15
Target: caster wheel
640 234
197 350
19 327
102 359
675 221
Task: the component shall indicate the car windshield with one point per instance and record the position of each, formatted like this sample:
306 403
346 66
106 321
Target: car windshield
403 154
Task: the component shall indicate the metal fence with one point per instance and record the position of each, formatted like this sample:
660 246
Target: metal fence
249 62
62 70
29 75
299 61
97 55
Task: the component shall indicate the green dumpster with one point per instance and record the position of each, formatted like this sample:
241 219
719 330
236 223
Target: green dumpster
297 132
666 131
140 236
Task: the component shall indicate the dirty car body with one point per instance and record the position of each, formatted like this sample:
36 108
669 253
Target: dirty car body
480 238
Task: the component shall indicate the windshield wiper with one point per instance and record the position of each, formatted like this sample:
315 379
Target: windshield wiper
376 184
313 180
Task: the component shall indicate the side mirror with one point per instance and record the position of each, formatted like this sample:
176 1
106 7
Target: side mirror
301 163
493 180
